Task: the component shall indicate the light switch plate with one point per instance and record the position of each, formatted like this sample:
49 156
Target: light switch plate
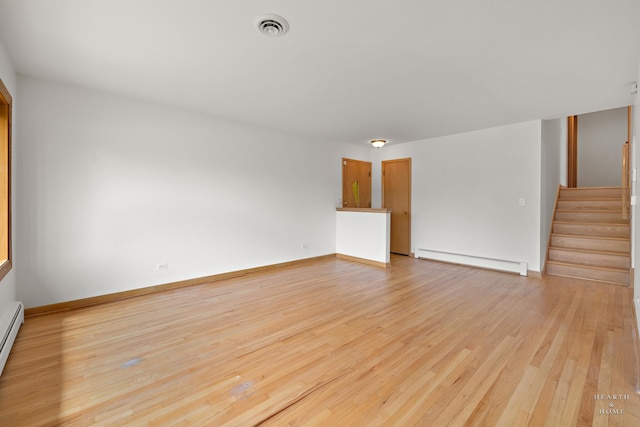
522 201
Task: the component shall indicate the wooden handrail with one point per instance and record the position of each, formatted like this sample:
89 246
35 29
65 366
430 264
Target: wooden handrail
626 187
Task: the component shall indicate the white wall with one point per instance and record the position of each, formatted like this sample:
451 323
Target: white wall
364 235
110 187
600 139
564 152
466 189
8 284
551 176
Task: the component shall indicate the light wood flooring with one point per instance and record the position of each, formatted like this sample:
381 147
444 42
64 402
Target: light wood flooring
335 343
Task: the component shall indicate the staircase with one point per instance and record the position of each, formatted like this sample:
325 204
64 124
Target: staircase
590 239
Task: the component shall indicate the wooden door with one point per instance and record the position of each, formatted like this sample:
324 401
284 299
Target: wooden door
396 195
356 184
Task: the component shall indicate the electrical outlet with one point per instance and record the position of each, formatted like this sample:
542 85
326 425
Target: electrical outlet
522 201
162 266
305 246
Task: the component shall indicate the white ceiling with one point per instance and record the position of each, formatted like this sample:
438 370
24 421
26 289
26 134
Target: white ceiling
348 69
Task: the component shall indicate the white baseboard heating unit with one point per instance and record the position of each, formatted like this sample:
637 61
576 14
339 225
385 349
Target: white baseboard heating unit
14 318
519 267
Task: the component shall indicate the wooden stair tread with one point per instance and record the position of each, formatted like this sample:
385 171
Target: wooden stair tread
602 229
589 251
580 259
575 217
594 226
590 240
590 267
615 275
590 279
601 191
590 223
584 236
604 220
591 199
596 243
589 188
603 268
592 211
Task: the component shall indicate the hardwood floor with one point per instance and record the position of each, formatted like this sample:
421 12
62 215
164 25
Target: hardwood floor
331 342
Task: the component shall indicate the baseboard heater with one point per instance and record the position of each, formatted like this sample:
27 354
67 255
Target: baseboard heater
12 321
519 267
636 340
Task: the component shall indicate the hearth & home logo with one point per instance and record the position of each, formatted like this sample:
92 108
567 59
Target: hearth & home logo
613 402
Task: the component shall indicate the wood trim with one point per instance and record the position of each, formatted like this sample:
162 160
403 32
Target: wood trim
555 208
626 187
6 124
363 261
629 123
572 157
117 296
365 210
535 274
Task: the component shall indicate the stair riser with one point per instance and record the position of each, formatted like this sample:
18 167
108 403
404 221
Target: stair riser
594 244
600 217
602 230
594 259
585 193
589 274
591 205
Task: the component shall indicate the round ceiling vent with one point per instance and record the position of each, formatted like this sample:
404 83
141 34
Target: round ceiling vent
272 25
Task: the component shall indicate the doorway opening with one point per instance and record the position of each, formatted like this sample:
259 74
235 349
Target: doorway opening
356 183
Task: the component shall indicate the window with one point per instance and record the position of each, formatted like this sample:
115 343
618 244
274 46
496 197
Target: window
5 180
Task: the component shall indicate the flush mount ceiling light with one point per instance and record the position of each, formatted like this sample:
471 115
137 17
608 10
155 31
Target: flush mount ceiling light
272 25
378 143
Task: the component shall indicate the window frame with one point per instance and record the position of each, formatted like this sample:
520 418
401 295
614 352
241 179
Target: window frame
6 114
